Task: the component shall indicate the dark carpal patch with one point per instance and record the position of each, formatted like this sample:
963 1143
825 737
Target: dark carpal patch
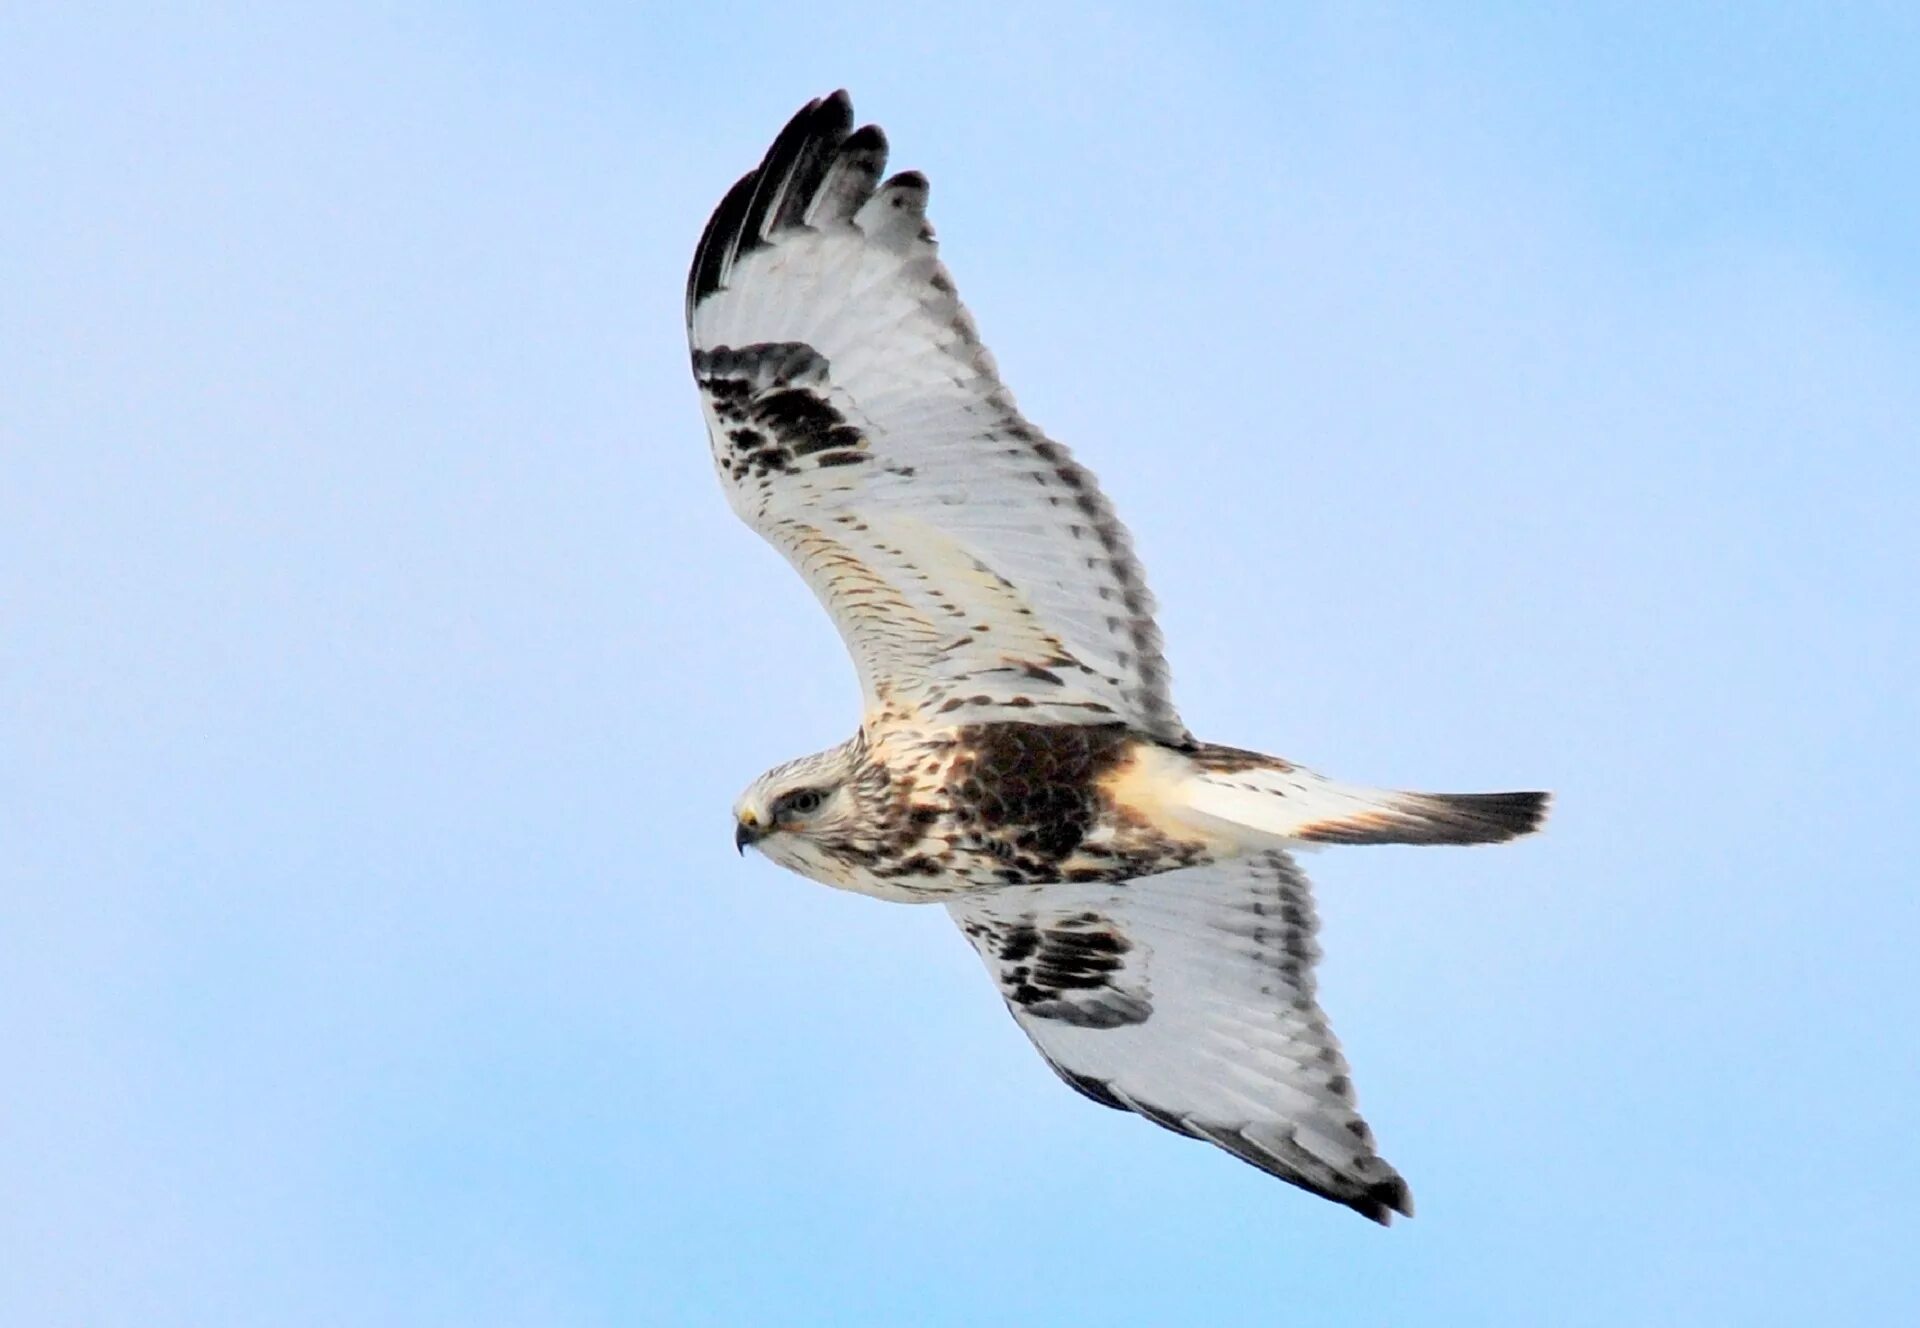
772 397
804 420
1071 970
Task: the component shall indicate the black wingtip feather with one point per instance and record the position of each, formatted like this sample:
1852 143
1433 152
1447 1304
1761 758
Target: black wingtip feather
867 138
776 193
1377 1201
1382 1201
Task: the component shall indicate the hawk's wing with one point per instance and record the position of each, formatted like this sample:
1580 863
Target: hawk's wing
975 571
1188 997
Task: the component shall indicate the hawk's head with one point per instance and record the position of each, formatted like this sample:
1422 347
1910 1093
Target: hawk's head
808 815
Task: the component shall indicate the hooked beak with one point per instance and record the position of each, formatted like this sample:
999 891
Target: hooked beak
745 831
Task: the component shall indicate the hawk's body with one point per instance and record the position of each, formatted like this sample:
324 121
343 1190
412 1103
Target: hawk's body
956 811
1020 757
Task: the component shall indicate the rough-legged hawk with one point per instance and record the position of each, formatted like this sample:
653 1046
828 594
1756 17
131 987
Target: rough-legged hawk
1020 759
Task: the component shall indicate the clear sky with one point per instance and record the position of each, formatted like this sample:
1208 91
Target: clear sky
1499 397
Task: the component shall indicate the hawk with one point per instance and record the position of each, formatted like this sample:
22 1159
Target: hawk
1019 759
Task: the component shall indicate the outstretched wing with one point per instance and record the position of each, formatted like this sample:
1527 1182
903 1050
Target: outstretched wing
1188 998
974 570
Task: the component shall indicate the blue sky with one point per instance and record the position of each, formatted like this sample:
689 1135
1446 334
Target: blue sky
1498 397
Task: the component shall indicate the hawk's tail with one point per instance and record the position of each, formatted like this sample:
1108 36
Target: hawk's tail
1273 798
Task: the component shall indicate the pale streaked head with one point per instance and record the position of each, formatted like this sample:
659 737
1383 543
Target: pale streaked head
798 813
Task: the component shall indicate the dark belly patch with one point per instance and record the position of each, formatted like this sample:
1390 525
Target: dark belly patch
1027 795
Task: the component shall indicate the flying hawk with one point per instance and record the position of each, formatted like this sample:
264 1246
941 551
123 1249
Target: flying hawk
1020 759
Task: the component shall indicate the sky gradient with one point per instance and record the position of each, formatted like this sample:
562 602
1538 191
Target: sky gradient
1508 400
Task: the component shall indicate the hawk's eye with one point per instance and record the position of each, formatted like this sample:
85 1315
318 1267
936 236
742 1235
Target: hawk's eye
802 802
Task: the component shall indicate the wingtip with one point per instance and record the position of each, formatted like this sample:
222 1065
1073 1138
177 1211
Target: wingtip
760 201
1383 1201
868 138
833 112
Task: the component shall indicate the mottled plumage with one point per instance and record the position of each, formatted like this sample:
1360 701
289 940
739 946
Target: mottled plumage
1020 758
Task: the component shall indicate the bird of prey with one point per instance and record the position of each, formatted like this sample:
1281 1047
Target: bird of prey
1019 758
